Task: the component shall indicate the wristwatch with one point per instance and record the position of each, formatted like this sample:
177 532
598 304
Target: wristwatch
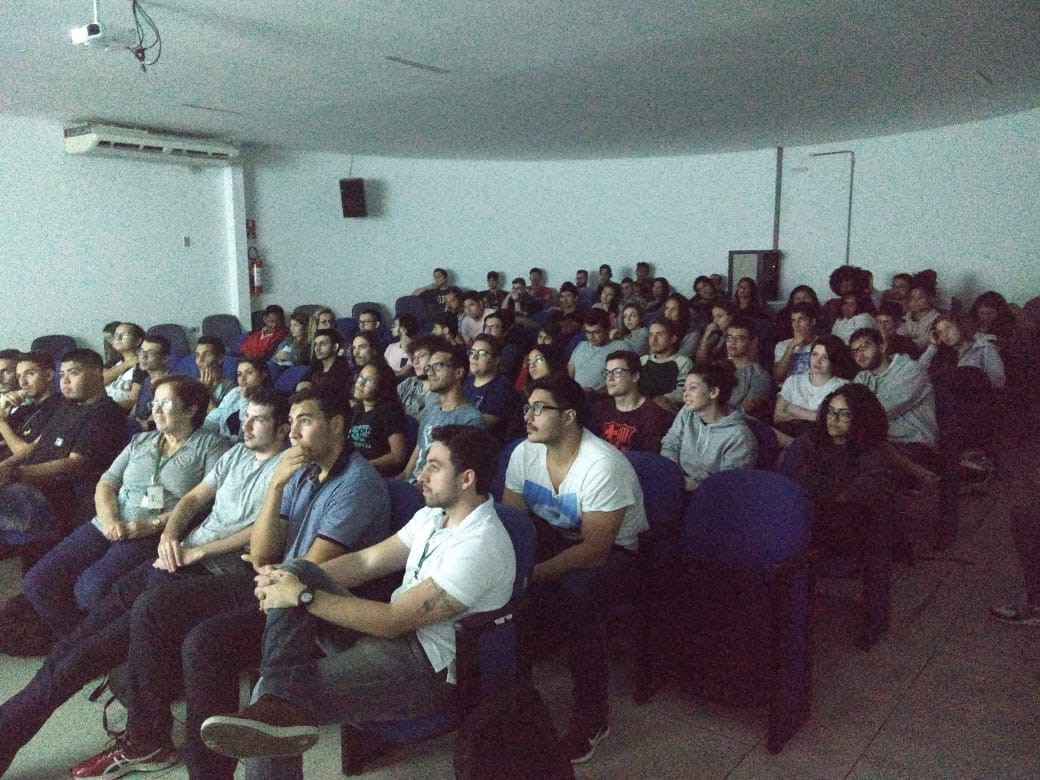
305 598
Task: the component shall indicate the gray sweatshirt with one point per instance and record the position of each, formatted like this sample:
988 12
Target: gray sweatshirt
909 400
703 448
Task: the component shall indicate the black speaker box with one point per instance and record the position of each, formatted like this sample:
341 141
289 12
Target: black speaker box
352 195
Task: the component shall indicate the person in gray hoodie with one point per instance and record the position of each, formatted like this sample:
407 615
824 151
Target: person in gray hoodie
707 436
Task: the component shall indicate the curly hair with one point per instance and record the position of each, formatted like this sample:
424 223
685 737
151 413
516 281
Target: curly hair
869 426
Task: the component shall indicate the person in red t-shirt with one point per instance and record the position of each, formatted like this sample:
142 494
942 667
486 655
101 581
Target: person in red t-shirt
263 342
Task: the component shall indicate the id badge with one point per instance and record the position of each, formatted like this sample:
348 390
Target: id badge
153 497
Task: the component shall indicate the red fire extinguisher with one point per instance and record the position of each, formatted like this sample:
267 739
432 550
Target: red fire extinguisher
256 272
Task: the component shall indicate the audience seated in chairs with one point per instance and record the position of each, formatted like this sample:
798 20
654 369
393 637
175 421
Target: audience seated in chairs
132 499
626 418
123 379
25 411
830 366
664 370
841 464
754 389
263 341
707 436
227 417
295 348
153 359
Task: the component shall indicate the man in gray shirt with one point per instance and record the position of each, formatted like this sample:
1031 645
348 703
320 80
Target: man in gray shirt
590 356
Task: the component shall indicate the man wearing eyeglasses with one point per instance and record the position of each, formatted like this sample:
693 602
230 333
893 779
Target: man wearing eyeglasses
626 418
590 356
370 319
151 358
445 373
754 384
585 501
489 391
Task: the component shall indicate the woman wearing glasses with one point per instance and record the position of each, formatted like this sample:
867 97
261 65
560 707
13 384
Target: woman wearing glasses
379 427
132 500
830 366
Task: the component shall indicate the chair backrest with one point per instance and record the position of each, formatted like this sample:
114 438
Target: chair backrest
185 365
498 482
411 304
663 491
357 308
405 501
289 378
522 535
411 432
225 327
768 444
348 327
55 345
310 309
179 343
746 518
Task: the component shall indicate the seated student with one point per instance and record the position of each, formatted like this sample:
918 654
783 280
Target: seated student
956 344
712 344
845 280
921 312
414 391
471 323
707 436
664 370
446 326
199 633
754 385
803 293
236 488
749 305
632 331
840 463
609 301
660 289
153 359
632 293
856 312
132 499
520 301
434 295
493 296
542 360
643 281
262 342
369 321
404 328
791 356
31 405
209 359
515 338
888 319
42 488
485 388
329 369
626 418
446 370
542 295
364 347
548 335
226 419
993 319
378 428
588 359
295 348
830 367
678 311
899 293
904 390
587 507
398 659
9 370
123 379
567 316
705 296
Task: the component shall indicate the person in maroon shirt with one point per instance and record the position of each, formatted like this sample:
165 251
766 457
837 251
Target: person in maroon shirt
263 342
626 418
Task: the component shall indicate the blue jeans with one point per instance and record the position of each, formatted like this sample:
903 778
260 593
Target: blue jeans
73 577
372 679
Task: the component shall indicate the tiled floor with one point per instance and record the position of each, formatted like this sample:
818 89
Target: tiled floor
949 693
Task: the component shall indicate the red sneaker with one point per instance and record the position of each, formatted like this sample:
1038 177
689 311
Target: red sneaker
122 759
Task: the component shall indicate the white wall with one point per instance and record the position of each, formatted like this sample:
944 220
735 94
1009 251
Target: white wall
89 240
681 214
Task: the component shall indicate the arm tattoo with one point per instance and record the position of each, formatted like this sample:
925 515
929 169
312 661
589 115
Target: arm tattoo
441 605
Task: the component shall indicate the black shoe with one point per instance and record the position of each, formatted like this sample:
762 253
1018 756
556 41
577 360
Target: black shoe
269 727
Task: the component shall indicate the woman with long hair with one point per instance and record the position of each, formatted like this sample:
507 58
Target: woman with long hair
677 309
798 403
712 344
993 318
379 427
295 349
632 330
748 302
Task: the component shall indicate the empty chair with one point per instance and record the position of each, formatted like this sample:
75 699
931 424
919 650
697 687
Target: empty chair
55 345
289 378
225 327
180 344
742 613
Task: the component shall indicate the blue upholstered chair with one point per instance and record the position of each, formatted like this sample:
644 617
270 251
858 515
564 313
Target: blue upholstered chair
55 345
485 646
289 378
225 327
743 619
498 482
411 304
180 345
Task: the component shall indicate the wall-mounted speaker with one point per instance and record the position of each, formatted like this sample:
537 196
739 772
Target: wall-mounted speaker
352 195
762 265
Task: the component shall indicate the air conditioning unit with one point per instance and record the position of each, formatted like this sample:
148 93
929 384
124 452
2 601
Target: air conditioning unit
142 144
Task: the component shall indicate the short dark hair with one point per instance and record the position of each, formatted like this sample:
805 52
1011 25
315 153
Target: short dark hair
505 316
472 295
568 287
87 358
741 322
565 392
276 310
520 280
607 266
440 271
373 313
9 354
720 375
492 275
643 264
158 338
668 325
727 306
409 324
803 307
459 356
42 360
494 343
333 334
471 449
330 400
212 341
190 392
867 333
447 320
426 341
631 359
597 318
276 400
902 275
536 270
890 309
260 365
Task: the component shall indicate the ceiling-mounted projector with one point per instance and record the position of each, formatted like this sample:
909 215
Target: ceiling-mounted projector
87 34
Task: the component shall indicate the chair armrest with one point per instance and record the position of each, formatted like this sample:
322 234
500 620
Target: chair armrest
485 652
